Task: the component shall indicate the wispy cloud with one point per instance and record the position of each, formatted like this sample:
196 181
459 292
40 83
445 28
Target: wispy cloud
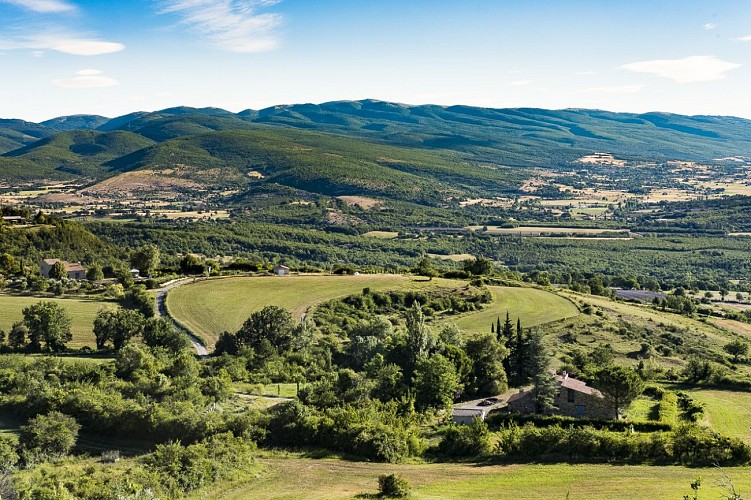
687 70
86 79
618 89
746 38
45 6
710 26
66 44
233 25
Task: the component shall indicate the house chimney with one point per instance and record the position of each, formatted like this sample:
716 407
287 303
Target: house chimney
565 375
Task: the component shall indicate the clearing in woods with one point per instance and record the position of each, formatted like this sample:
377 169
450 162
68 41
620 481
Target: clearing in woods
81 311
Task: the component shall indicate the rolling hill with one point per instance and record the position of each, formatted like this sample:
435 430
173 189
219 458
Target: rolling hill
17 133
78 152
426 154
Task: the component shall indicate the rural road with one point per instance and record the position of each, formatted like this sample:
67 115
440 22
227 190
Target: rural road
161 307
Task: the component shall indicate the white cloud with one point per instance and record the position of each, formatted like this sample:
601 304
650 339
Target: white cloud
520 83
45 6
86 79
746 38
618 89
87 47
63 43
687 70
232 25
710 26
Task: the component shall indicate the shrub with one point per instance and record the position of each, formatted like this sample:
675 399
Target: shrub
48 436
392 486
466 440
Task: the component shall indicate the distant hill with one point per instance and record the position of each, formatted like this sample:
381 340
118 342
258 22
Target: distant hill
522 136
78 152
17 133
76 122
316 163
413 153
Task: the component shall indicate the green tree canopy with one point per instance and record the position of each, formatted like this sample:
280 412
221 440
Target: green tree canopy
117 326
145 259
435 383
272 324
619 385
47 322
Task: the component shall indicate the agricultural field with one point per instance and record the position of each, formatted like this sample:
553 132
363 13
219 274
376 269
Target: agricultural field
292 477
532 306
211 307
82 312
539 231
384 235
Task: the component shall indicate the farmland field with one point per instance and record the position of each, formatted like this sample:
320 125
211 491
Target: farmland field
211 307
288 478
82 313
532 306
537 231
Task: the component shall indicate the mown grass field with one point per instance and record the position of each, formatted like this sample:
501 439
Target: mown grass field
82 312
292 478
532 306
728 412
211 307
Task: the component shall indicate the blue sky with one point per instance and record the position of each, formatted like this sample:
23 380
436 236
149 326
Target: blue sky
112 57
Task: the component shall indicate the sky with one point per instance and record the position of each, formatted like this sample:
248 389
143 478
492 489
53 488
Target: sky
62 57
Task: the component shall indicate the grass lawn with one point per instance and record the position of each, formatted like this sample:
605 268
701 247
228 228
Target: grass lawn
534 307
211 307
291 478
642 408
728 412
82 312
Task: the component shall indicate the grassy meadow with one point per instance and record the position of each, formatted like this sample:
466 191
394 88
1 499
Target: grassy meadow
211 307
726 411
532 306
82 312
292 478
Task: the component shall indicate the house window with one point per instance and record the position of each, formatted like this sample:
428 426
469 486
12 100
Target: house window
580 410
571 395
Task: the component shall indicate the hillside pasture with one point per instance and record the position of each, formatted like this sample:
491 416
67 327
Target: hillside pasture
532 306
82 312
211 307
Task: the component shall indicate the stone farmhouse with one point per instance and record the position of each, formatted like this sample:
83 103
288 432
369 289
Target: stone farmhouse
75 270
573 399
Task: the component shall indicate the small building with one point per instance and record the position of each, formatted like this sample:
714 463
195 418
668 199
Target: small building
75 270
573 399
14 219
465 416
135 274
280 270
